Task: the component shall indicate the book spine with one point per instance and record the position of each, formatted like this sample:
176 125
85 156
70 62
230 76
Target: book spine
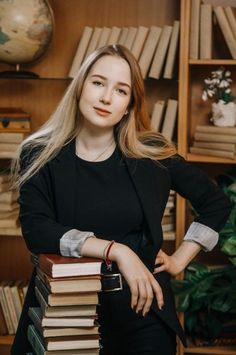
157 115
93 43
35 340
104 37
172 52
114 35
226 30
81 50
170 119
130 37
212 152
211 137
231 19
194 29
230 147
160 54
216 130
123 35
149 49
6 311
139 41
206 32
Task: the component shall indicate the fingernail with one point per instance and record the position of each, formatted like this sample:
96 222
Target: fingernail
161 307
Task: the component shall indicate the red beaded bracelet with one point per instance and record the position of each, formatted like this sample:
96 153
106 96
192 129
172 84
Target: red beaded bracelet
107 260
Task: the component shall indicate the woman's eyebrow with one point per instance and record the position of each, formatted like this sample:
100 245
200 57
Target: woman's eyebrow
104 78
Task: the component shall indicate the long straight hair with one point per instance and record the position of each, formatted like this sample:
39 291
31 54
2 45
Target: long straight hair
133 133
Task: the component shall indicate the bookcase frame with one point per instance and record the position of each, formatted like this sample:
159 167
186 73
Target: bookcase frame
40 97
193 111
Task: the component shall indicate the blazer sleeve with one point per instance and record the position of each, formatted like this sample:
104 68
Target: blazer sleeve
211 204
40 229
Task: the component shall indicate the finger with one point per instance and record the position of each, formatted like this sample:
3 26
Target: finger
160 269
149 299
142 296
158 293
134 294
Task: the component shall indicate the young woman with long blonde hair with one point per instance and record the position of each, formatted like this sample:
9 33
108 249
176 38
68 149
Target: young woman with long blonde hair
94 181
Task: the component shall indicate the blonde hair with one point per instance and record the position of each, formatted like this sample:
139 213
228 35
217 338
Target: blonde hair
133 133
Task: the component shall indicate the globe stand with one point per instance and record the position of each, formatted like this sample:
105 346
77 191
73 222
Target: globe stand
18 74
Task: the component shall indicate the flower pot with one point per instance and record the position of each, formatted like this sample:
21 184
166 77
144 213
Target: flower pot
224 114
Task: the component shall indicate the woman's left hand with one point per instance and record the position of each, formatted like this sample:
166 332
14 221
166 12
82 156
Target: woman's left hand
167 263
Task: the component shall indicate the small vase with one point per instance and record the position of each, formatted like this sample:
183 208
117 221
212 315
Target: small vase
224 114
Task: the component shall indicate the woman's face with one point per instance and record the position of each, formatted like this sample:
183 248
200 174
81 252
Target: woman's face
106 93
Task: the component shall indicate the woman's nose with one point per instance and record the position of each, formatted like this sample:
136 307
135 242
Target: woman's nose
106 97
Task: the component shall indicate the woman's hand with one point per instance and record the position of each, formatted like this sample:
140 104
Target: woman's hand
167 263
142 283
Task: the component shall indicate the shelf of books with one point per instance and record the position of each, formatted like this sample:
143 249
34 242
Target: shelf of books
207 45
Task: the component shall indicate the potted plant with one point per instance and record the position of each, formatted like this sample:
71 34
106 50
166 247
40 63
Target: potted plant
207 295
218 85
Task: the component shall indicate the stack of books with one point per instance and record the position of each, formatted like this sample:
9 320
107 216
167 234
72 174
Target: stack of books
214 141
168 220
66 320
9 208
15 124
155 48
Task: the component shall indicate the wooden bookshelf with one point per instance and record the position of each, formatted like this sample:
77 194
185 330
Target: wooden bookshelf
192 112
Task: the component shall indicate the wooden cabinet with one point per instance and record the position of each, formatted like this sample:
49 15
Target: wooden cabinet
193 111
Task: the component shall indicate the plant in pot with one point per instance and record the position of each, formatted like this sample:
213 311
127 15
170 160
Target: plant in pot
207 295
218 85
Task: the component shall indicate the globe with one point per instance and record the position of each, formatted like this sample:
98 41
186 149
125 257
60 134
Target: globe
26 29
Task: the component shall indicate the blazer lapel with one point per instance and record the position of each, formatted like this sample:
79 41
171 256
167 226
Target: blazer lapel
152 186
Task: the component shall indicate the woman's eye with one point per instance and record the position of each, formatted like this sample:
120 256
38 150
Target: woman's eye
121 91
97 83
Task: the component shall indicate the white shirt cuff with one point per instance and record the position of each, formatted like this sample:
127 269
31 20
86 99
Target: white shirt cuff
72 241
203 235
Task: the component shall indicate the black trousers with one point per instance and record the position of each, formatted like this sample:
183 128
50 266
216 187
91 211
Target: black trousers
124 332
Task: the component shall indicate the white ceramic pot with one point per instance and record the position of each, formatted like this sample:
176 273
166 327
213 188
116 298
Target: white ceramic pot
224 115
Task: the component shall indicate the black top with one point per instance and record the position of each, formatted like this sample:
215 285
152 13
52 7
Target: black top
108 203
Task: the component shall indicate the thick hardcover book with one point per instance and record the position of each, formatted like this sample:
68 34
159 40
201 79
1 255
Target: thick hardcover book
206 31
88 283
215 129
36 315
64 311
213 137
72 342
226 30
160 53
172 52
66 299
194 29
60 266
37 343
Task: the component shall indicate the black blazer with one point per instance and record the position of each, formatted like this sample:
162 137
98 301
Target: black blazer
48 205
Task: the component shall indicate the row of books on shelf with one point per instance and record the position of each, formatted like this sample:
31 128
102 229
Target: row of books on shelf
203 17
12 295
214 141
155 48
164 117
66 316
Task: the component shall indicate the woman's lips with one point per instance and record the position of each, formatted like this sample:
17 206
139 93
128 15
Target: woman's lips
101 111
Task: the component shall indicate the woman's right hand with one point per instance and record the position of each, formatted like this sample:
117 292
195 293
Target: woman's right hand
142 283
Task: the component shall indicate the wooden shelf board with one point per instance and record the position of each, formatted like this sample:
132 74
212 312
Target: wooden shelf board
209 159
211 350
6 339
212 61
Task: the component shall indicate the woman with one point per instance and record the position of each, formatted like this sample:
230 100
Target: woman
94 181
